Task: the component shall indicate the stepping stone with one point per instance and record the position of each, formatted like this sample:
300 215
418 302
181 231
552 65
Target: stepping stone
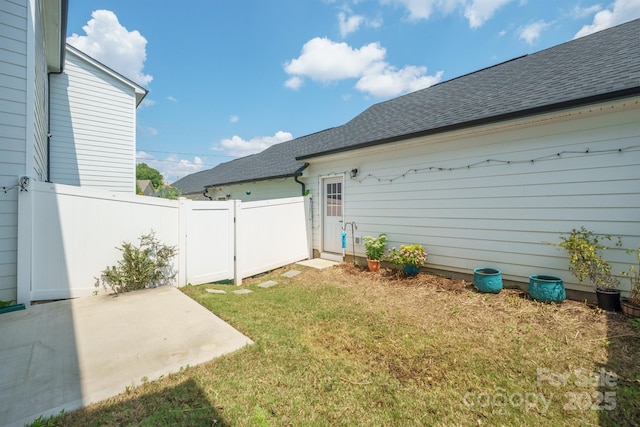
292 273
267 284
215 291
242 291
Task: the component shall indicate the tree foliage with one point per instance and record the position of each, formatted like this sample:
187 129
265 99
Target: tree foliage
144 171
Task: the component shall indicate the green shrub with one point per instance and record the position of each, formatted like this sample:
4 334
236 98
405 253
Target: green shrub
145 266
585 250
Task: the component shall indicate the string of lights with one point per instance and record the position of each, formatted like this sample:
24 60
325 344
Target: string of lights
496 162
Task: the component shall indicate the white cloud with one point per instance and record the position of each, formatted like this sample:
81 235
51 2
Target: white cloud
326 61
531 32
113 45
238 147
172 167
617 13
172 99
388 81
418 9
350 24
480 11
234 119
581 12
146 130
477 12
294 83
148 102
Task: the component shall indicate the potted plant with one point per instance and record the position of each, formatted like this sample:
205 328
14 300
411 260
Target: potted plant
374 248
410 257
487 280
586 262
631 305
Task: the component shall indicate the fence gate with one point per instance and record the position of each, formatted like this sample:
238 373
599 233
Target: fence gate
210 243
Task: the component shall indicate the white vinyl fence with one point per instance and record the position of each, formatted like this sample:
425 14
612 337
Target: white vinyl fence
68 235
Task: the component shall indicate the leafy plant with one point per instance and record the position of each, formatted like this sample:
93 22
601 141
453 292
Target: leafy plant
414 255
375 246
6 303
144 266
169 192
633 274
585 257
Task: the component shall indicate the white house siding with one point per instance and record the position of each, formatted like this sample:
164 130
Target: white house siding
13 125
498 214
260 190
92 127
39 165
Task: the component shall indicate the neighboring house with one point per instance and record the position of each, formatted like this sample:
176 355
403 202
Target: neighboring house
482 169
93 125
64 118
145 187
273 173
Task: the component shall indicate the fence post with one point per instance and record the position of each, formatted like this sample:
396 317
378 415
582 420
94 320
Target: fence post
25 240
183 231
237 224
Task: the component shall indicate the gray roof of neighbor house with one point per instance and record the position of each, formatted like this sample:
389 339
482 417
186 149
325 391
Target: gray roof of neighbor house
597 67
277 161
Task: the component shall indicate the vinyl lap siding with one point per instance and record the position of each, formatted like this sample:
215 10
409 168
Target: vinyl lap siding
93 128
262 190
497 214
13 87
40 103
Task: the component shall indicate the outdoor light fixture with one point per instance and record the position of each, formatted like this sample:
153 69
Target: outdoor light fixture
248 192
353 173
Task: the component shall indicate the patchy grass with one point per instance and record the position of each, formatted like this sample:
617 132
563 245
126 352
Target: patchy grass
347 347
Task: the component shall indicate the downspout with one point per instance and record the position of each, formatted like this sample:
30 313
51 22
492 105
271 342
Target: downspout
64 12
49 122
298 173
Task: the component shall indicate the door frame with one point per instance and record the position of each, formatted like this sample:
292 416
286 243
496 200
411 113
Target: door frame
332 256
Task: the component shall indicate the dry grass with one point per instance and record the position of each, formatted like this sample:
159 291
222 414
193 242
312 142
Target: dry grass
344 346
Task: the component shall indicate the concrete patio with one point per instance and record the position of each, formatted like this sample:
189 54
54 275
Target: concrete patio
68 354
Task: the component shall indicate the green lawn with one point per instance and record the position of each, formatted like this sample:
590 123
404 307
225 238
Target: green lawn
348 347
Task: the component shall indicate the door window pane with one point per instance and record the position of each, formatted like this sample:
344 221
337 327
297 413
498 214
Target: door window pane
334 199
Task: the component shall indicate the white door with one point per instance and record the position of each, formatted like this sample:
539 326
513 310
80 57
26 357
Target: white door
332 218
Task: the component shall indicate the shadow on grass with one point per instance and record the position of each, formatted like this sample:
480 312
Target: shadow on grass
619 379
183 404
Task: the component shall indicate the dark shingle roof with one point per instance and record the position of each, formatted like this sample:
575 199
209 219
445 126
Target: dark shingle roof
604 65
277 161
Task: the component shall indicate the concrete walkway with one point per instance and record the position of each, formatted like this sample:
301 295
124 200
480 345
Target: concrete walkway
67 354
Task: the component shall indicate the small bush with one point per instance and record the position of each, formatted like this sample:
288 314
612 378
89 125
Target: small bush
145 266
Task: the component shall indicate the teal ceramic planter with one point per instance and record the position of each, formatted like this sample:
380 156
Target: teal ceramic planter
547 289
411 270
487 280
10 308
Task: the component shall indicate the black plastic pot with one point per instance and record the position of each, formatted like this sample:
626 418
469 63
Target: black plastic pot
608 299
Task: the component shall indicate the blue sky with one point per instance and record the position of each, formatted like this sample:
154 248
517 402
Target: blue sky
228 78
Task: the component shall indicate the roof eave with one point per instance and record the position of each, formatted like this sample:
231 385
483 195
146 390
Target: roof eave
484 121
55 33
140 92
289 175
